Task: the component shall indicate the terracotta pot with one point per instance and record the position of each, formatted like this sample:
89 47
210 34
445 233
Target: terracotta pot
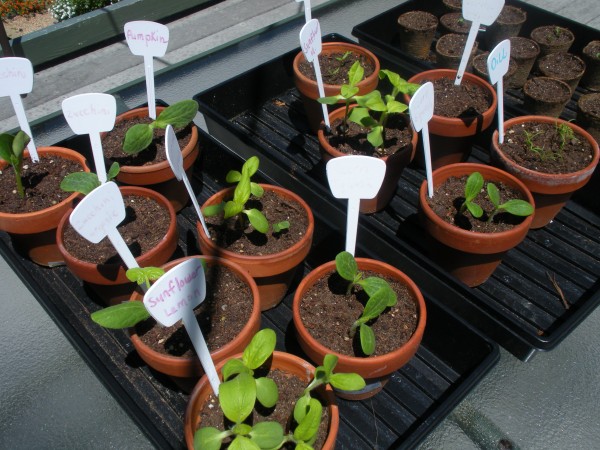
160 177
416 39
470 256
561 45
588 114
550 191
591 56
283 361
109 280
548 66
33 234
308 88
556 94
394 165
449 50
188 367
451 138
273 273
525 52
376 369
508 24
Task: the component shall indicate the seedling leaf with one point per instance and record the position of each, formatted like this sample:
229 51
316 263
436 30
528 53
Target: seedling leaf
233 176
474 209
256 189
237 397
123 315
83 182
493 194
258 220
309 425
208 438
178 115
267 434
376 304
346 266
243 443
266 392
517 207
473 186
367 339
259 349
213 210
233 367
137 138
355 74
280 226
347 381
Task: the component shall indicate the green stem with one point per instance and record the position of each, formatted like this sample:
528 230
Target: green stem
20 189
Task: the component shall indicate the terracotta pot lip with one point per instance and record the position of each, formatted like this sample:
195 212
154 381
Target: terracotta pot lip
545 119
163 164
125 190
469 168
325 46
259 258
254 315
371 360
450 73
52 150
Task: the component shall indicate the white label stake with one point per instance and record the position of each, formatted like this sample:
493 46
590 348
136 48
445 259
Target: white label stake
98 215
148 39
17 78
307 15
497 64
310 41
354 177
92 114
421 111
176 161
479 12
173 297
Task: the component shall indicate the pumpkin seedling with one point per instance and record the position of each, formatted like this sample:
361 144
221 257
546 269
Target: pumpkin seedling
11 151
178 115
237 206
86 182
380 293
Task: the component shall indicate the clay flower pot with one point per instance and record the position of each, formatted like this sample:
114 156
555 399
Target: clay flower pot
562 66
552 39
591 56
188 367
416 32
546 96
34 234
308 88
468 255
160 177
550 191
273 273
109 280
280 361
376 370
449 50
508 24
394 164
451 138
524 51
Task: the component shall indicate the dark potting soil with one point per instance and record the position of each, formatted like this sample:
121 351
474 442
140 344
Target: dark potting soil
335 67
228 235
465 100
552 35
523 48
592 50
449 197
398 136
222 315
547 89
112 143
564 66
540 147
417 20
455 22
290 389
453 45
145 225
328 313
41 183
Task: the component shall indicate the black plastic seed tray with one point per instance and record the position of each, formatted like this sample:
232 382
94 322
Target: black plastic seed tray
451 360
260 111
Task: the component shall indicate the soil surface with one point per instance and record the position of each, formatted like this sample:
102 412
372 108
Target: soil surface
552 35
248 241
290 389
41 182
465 100
417 20
145 225
222 316
564 66
335 67
398 136
112 144
523 48
22 25
453 45
537 146
449 197
547 90
455 23
328 313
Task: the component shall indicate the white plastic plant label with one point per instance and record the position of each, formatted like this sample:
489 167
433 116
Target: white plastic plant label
421 111
92 114
98 215
16 78
497 63
148 39
173 297
307 13
354 177
176 161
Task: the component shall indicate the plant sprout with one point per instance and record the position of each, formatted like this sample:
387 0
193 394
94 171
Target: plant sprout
11 151
86 182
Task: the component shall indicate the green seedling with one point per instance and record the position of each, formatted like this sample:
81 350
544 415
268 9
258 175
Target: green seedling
344 57
557 32
566 134
532 147
129 313
381 296
237 206
473 187
178 115
86 182
11 151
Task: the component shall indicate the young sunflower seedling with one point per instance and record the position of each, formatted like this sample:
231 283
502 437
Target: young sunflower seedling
11 151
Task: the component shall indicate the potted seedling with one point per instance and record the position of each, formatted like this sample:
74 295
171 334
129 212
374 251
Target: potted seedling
374 126
591 56
302 420
366 312
551 156
476 214
266 229
32 201
137 144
